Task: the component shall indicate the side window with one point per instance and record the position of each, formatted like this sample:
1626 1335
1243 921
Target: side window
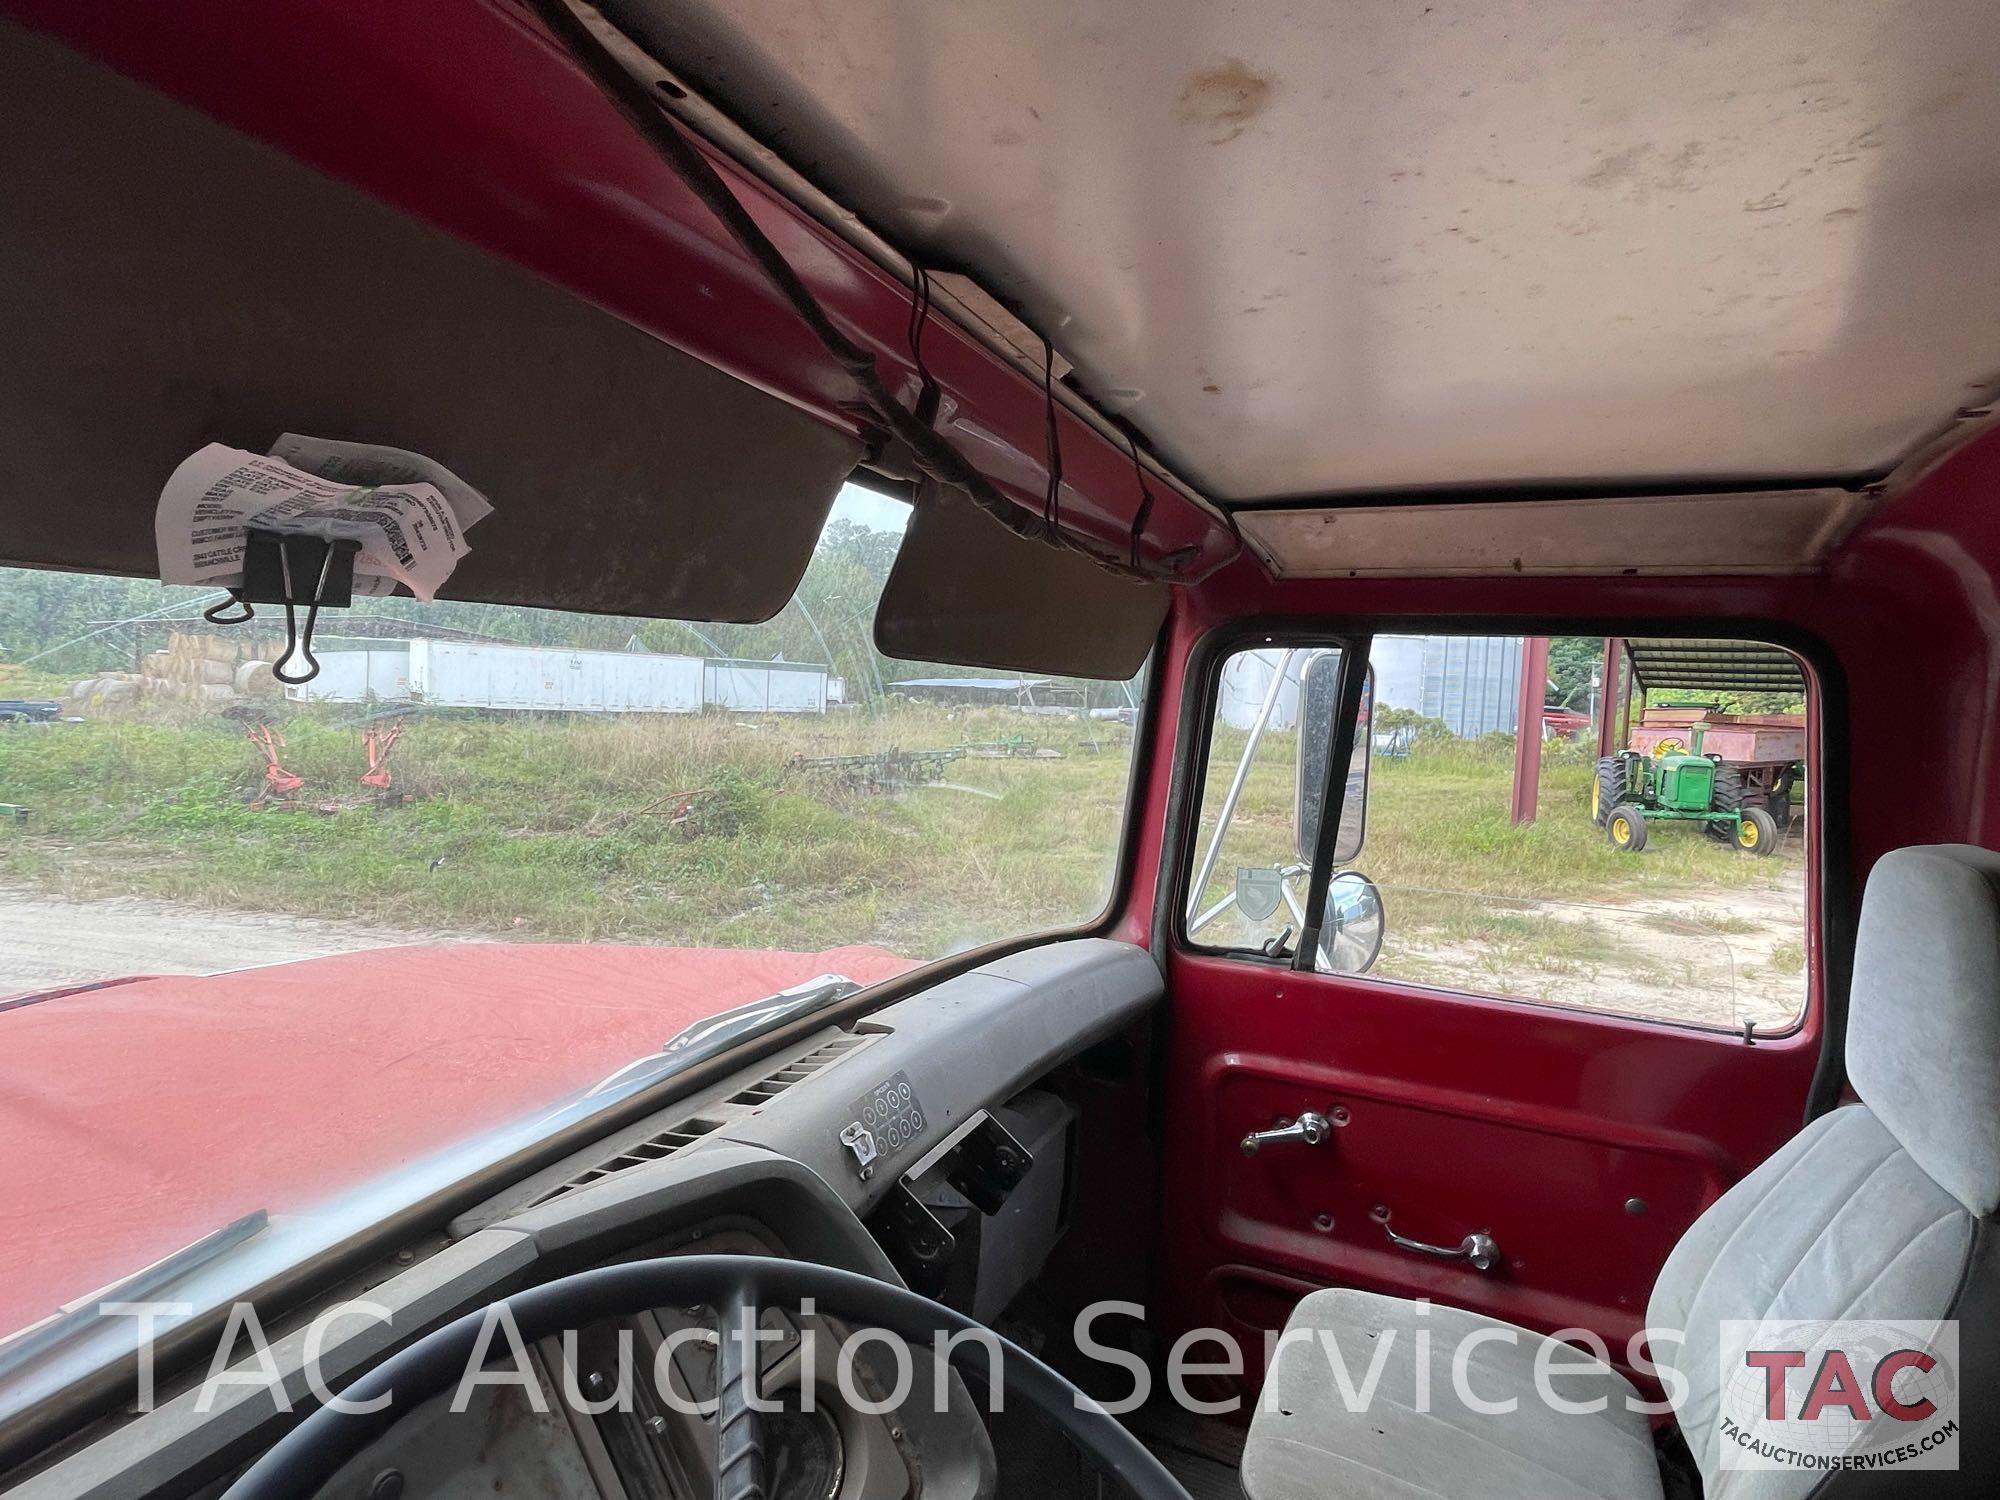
1640 849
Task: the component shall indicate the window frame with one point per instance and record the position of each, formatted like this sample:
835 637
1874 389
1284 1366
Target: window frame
1830 908
1210 655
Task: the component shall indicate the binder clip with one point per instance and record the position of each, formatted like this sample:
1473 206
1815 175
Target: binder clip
276 567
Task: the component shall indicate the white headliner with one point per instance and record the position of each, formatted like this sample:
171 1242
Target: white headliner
1323 248
1767 531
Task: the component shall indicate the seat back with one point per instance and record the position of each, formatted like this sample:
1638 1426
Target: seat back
1882 1209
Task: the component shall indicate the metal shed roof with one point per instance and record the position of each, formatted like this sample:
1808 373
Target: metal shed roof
1714 666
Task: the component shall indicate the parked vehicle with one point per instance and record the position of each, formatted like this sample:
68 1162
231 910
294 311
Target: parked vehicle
1758 756
1732 774
1676 788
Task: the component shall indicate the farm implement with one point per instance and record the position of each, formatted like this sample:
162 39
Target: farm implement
282 786
1732 774
885 771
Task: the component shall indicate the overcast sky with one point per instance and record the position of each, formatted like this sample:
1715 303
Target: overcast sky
866 508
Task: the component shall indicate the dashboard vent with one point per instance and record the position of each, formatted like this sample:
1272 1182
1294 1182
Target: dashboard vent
638 1154
799 1069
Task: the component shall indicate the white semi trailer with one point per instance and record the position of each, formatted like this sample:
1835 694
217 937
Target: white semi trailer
463 674
460 674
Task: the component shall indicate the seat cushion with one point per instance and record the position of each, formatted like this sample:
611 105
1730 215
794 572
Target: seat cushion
1414 1436
1840 1222
1923 1027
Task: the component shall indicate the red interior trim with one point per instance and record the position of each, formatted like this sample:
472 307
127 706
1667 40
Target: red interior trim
467 114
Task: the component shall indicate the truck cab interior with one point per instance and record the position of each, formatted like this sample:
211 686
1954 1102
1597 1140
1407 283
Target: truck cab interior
1248 352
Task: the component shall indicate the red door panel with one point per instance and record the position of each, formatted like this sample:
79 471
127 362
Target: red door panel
1534 1124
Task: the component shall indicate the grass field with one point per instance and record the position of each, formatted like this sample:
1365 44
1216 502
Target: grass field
1547 910
558 829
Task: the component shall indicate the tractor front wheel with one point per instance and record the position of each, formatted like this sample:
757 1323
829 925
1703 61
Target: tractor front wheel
1757 833
1625 828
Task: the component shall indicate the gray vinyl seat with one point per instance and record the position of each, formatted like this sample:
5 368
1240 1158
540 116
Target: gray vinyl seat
1882 1209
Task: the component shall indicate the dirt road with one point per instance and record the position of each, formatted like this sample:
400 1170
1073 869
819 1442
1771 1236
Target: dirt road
1715 957
1678 955
46 941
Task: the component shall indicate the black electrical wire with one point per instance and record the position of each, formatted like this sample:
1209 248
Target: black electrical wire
933 455
1052 501
929 396
1145 511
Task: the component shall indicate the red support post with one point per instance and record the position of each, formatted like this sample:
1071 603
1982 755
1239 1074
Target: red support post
1528 727
1611 697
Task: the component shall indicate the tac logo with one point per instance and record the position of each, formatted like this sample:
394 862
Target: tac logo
1852 1394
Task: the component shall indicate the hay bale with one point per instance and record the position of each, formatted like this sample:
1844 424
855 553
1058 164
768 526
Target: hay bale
254 679
194 647
158 664
214 673
213 692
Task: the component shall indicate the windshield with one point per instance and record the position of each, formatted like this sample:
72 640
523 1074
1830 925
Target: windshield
262 949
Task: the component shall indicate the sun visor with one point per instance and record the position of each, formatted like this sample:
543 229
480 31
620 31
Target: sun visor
169 283
968 592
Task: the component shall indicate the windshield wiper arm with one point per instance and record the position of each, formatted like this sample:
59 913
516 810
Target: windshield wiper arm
773 1010
143 1285
717 1033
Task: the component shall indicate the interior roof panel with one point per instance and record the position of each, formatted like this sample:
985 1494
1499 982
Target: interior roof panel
1314 250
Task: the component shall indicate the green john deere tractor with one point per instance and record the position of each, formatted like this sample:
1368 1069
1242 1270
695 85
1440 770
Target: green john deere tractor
1682 787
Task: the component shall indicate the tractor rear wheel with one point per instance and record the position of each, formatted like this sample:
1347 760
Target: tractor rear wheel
1757 834
1625 828
1609 789
1728 797
1729 789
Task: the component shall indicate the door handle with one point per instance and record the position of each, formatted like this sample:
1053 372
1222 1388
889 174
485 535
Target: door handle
1309 1129
1479 1248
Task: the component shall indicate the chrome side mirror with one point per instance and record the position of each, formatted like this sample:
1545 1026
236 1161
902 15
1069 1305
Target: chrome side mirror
1350 936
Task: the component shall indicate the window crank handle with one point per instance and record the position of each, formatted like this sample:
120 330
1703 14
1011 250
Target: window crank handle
1480 1249
1308 1129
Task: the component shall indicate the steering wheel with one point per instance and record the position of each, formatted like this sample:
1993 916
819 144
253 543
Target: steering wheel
735 1287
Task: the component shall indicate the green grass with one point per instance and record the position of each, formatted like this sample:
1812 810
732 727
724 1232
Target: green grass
558 829
1542 910
1439 820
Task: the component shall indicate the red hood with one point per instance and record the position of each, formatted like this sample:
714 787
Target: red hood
143 1115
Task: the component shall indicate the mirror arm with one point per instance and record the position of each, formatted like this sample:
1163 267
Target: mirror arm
1333 796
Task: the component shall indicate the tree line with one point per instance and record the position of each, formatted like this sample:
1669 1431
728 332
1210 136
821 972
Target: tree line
68 624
